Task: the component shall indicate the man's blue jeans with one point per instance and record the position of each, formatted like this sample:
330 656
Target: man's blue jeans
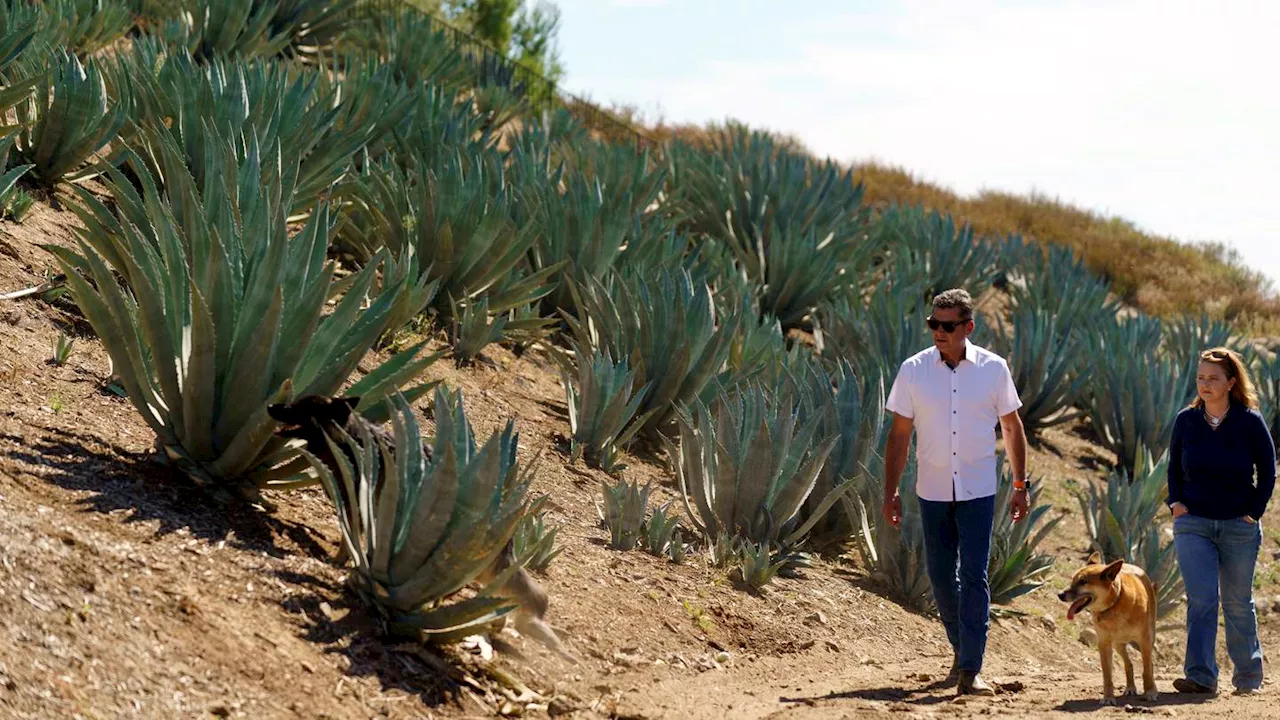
1218 556
957 543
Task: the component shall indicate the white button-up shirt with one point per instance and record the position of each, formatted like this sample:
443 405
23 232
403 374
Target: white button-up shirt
955 413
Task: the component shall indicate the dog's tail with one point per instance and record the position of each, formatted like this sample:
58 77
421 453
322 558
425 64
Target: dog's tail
1152 606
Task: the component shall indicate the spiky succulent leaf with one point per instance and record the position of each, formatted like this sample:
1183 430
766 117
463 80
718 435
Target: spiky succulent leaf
894 557
534 542
930 249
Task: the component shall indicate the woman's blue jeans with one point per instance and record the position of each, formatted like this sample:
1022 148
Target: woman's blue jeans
957 545
1217 558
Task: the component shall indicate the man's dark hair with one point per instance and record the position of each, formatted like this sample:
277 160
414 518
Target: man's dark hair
955 298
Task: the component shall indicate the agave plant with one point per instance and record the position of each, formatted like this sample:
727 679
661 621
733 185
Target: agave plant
888 327
1185 337
66 121
1266 371
586 227
224 312
665 326
928 248
534 542
1016 566
317 122
851 408
87 26
796 226
757 563
1138 390
451 223
1054 278
602 407
1123 521
749 467
893 557
419 526
625 505
312 26
416 47
1049 361
211 29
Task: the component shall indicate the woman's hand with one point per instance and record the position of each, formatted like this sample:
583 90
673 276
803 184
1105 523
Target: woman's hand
1178 509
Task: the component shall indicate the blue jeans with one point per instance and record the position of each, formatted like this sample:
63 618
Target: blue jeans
957 543
1218 556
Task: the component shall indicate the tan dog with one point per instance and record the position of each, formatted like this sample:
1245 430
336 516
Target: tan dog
311 419
1122 600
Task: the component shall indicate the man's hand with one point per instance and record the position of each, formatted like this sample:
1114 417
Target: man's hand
1019 505
893 508
1178 509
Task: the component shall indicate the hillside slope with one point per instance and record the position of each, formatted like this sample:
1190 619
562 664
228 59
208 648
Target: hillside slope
126 592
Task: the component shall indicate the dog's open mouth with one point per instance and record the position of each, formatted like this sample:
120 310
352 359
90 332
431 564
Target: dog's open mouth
1080 604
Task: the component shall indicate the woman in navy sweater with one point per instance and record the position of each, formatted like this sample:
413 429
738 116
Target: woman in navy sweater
1222 468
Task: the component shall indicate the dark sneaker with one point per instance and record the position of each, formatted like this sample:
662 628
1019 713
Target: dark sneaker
971 683
1191 687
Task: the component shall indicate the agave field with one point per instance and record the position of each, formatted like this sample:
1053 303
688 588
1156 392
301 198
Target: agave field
269 190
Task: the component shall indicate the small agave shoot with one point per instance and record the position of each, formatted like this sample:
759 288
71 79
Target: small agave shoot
62 349
534 542
662 533
602 407
421 522
746 469
623 513
1122 519
222 313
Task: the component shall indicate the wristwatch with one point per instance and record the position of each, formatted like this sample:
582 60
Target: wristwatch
1019 484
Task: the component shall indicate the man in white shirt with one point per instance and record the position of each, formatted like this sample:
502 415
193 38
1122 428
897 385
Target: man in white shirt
952 395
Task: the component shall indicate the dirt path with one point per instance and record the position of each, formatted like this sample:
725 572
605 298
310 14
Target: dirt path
850 689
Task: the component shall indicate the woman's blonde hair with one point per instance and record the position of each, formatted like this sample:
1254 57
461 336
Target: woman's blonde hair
1233 366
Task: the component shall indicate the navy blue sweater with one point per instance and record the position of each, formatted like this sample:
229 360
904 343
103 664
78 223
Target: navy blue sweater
1212 471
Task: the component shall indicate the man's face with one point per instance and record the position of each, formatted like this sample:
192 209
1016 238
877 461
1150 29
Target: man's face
949 342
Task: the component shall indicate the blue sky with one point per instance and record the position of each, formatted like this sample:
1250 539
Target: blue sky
1164 113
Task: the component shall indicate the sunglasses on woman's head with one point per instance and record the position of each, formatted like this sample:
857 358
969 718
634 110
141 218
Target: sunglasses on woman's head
947 325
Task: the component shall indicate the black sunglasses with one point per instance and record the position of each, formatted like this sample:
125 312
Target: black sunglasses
948 325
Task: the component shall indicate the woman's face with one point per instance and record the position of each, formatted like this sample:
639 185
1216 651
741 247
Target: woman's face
1212 382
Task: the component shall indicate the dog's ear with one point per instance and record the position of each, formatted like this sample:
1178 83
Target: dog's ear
1095 558
342 409
1113 570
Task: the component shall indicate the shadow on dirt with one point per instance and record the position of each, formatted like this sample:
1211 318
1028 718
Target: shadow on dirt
1166 699
935 693
119 480
340 624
